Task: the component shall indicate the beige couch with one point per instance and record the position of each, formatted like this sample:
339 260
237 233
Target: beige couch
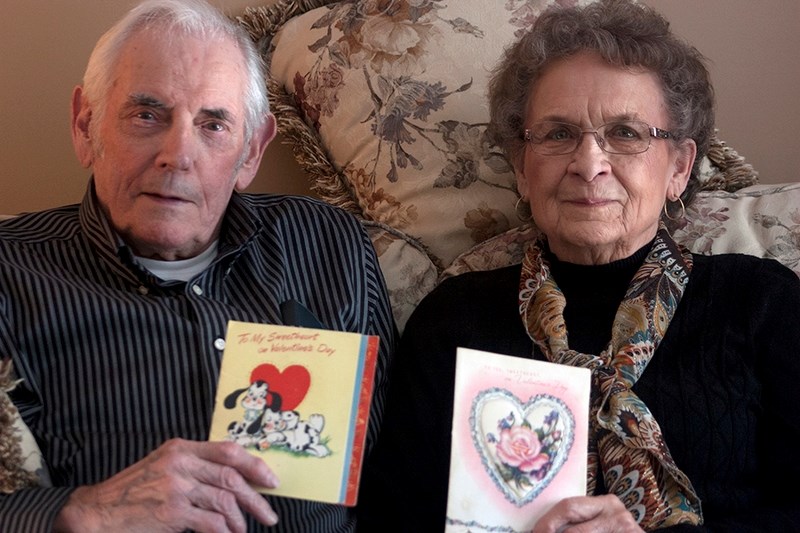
385 111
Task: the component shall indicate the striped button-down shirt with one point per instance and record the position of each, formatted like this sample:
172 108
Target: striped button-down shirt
114 361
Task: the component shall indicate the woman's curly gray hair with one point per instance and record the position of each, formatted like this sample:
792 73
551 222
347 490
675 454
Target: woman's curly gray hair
624 33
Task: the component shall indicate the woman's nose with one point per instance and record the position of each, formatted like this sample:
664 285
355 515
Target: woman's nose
597 138
589 160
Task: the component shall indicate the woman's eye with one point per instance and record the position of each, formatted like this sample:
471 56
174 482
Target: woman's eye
560 134
622 131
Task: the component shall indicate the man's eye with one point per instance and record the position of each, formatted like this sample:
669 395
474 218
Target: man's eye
145 115
215 126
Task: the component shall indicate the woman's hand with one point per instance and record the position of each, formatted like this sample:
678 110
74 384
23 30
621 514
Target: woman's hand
585 514
182 485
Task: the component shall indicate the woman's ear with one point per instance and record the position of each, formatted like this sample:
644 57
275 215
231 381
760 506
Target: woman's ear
522 179
684 157
81 116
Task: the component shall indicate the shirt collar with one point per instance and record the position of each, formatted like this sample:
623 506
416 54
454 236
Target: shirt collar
240 225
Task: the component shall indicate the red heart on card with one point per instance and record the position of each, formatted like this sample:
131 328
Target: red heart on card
292 384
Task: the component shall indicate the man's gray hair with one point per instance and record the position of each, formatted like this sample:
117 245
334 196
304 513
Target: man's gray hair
176 17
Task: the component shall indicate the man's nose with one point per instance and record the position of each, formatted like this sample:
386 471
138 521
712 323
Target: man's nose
178 149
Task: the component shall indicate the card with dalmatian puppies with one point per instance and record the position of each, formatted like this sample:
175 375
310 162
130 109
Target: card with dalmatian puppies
299 398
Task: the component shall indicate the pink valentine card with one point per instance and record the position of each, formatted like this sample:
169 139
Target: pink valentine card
520 431
299 399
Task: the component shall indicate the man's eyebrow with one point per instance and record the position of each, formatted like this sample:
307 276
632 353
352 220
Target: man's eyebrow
146 100
138 99
219 113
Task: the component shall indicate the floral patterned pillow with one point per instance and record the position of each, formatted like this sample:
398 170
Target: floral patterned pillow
384 105
762 220
394 93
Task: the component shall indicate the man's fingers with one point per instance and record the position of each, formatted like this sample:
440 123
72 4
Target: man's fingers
224 487
252 468
228 504
203 520
217 501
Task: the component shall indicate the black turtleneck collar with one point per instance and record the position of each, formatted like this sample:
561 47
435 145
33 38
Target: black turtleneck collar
593 294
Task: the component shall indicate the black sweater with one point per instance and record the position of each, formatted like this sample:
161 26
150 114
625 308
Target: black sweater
724 385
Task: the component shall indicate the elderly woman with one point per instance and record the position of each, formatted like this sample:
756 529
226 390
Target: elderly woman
604 115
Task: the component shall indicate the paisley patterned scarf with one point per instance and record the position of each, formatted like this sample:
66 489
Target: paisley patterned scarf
625 441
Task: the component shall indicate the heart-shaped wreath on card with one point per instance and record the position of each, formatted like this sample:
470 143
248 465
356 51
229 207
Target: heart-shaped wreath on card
522 445
292 383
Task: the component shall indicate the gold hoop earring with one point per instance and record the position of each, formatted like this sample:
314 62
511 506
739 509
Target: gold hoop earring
682 212
526 216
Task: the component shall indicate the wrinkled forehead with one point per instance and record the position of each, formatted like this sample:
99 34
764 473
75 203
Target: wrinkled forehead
178 69
587 87
167 45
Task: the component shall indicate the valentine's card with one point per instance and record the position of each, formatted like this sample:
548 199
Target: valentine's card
520 431
298 398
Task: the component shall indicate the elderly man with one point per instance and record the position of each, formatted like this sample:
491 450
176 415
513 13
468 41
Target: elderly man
114 311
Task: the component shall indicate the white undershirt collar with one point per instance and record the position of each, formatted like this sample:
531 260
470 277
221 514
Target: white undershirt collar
182 269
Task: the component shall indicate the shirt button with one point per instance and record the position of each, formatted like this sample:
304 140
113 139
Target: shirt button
142 290
197 289
219 344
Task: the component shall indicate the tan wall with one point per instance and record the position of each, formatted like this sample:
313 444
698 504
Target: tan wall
44 45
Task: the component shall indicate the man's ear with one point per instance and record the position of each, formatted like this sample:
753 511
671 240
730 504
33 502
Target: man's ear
81 115
255 151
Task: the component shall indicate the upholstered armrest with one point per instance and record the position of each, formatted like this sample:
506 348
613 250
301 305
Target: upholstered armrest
21 462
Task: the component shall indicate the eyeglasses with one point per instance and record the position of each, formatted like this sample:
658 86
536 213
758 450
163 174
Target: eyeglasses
625 137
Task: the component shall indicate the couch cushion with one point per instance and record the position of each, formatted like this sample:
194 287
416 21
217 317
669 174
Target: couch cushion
761 220
409 272
385 107
399 109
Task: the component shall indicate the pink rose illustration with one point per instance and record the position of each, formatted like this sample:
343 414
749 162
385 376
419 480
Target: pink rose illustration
519 447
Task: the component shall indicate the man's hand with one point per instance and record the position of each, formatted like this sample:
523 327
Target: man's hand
584 514
202 486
